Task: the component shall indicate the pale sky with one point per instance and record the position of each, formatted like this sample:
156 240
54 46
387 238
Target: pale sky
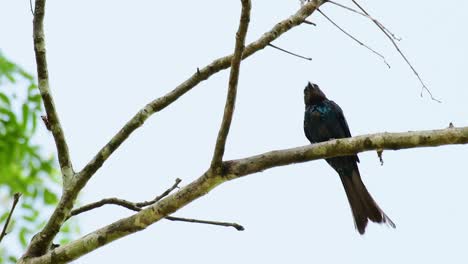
107 59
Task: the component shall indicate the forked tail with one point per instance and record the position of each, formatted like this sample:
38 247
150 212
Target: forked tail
361 202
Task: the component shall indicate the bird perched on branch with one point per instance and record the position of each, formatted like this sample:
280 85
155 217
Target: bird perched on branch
324 120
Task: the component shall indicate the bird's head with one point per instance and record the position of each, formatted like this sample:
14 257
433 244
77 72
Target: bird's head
313 94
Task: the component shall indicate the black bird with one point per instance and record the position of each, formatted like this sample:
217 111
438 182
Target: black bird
324 120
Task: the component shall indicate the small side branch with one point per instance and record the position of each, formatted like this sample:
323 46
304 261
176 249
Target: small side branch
236 226
233 81
16 198
355 39
124 203
140 206
289 52
159 197
43 78
367 16
114 201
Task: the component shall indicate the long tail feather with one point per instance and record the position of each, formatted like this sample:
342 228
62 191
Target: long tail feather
361 202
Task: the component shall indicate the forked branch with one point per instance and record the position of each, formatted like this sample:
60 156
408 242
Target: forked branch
41 241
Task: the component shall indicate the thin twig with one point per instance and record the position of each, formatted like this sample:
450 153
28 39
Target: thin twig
31 7
367 16
290 53
189 220
157 198
424 87
355 39
380 155
309 22
115 201
232 89
16 197
43 80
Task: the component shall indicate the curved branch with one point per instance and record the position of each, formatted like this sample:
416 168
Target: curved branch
232 89
242 167
43 83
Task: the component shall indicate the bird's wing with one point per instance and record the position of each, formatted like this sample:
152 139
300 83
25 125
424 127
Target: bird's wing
342 121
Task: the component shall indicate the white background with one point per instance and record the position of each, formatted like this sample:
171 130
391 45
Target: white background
107 59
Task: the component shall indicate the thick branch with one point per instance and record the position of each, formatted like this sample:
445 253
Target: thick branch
16 197
342 147
233 81
242 167
41 241
43 77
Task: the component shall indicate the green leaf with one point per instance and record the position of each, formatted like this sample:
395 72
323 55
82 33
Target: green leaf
5 99
26 114
4 216
50 197
22 235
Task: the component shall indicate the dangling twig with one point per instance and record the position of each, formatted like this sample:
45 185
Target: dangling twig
355 39
367 16
289 52
424 87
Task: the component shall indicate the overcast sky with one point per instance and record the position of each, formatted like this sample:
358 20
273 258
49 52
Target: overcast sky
107 59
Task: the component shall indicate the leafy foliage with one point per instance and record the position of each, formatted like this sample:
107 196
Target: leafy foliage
23 166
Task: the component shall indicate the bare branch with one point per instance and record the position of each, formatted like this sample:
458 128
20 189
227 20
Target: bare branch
348 146
290 53
31 7
232 89
355 39
16 198
139 206
236 226
129 205
40 241
241 167
309 22
367 16
43 80
107 201
201 75
164 194
424 87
